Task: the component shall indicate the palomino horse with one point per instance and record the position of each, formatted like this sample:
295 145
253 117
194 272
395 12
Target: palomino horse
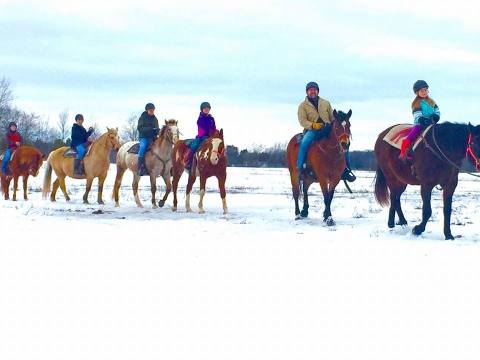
326 159
437 161
96 164
210 160
158 161
26 161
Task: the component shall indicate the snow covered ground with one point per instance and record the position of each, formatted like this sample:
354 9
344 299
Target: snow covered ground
132 283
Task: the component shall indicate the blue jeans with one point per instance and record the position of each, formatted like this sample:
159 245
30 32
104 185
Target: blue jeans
308 138
144 144
195 144
81 151
6 159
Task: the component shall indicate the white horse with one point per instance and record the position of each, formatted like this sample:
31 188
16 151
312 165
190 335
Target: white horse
158 161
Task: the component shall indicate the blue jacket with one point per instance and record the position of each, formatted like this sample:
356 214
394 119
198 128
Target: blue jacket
79 135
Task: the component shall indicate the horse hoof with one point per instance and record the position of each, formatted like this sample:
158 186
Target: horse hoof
449 237
161 203
101 203
329 221
201 211
117 205
417 230
189 210
154 206
391 225
174 208
298 217
86 202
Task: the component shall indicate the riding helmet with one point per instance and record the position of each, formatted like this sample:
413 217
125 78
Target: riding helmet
78 117
312 84
204 105
149 106
419 84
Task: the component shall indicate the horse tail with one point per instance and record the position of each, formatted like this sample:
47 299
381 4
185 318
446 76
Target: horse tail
47 179
381 189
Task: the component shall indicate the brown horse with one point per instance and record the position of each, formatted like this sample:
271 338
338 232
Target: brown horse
210 160
325 165
96 164
26 161
437 161
158 161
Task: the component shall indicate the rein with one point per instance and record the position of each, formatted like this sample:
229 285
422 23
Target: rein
441 155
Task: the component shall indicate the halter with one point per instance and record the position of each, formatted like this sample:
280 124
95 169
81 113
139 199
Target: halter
471 153
344 137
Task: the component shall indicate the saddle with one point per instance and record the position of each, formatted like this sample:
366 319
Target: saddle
396 134
72 153
135 148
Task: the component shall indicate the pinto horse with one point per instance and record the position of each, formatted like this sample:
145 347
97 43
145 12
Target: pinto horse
437 161
96 163
326 160
26 161
209 160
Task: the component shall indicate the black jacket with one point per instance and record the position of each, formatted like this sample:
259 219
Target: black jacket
79 135
147 126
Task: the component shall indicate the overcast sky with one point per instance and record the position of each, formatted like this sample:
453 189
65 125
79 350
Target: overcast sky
249 59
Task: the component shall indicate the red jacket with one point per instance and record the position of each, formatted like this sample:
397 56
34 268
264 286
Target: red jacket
12 139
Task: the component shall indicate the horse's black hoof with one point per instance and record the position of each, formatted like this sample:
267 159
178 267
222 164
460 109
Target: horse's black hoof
304 214
298 217
161 203
402 223
391 225
417 230
329 221
449 237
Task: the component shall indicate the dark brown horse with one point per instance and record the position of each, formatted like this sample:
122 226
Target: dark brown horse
437 161
325 165
25 161
209 160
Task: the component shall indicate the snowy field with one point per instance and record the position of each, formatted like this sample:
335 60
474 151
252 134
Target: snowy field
130 283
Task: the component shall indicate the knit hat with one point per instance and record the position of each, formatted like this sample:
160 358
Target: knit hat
312 84
419 84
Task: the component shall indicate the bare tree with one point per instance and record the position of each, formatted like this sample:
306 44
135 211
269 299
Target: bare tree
6 94
129 129
62 124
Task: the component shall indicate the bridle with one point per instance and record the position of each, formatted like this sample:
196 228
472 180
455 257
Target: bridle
471 153
343 138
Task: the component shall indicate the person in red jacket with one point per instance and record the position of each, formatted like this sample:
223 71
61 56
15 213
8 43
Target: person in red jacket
13 142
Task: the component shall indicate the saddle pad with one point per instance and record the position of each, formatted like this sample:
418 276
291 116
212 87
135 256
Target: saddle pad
399 132
134 148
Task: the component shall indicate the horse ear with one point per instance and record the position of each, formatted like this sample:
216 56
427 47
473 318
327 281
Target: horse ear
349 114
116 128
166 122
221 133
108 129
335 113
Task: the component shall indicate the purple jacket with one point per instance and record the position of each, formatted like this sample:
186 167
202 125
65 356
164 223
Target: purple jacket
206 125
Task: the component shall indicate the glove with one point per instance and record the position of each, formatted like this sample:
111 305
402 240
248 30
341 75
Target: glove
435 118
317 126
156 131
424 121
91 129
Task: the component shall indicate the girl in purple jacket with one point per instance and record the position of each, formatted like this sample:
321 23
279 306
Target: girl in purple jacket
206 128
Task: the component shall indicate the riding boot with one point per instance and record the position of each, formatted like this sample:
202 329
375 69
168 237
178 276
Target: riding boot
406 143
348 175
78 169
142 167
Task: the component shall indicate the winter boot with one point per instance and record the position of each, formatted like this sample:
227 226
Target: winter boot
142 167
78 169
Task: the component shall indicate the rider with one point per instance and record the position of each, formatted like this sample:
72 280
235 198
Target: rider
147 132
425 112
13 142
315 116
206 128
80 143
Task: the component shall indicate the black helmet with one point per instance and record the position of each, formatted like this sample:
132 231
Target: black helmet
149 106
204 105
312 84
12 123
419 84
78 117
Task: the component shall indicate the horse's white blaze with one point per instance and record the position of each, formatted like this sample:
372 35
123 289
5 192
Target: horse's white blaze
214 154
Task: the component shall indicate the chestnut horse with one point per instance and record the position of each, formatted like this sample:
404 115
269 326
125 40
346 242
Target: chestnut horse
26 161
325 165
209 160
158 161
96 163
437 161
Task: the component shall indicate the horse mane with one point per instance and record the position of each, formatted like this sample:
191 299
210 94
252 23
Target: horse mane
451 136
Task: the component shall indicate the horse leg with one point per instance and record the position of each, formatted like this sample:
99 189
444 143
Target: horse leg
25 185
153 189
447 208
304 212
15 186
136 179
101 181
87 189
7 187
61 181
55 186
118 183
168 189
295 191
203 182
176 179
398 206
223 193
426 191
327 215
191 181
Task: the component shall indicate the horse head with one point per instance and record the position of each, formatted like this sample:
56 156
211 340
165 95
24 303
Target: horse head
341 128
173 134
215 147
473 148
112 138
